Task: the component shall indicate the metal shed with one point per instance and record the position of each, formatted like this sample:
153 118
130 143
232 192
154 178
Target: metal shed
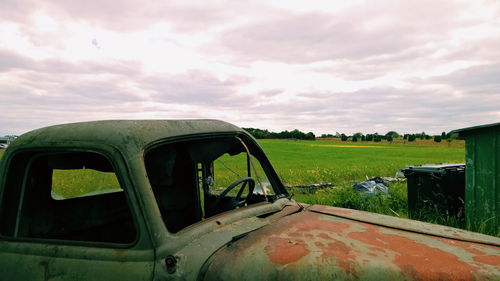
482 176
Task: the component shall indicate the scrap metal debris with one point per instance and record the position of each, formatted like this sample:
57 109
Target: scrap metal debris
372 186
311 188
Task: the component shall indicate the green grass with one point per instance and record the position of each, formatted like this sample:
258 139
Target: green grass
305 162
75 183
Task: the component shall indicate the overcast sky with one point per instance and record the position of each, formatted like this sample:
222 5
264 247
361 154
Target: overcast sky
320 66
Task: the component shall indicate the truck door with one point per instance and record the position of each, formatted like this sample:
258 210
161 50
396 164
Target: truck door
66 215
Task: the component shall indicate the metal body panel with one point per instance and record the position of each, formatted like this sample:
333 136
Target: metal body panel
219 231
46 261
317 246
407 225
125 135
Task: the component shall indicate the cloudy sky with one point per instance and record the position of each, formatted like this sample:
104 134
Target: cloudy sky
321 66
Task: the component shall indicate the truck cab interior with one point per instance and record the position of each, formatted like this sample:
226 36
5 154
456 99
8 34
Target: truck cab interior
195 180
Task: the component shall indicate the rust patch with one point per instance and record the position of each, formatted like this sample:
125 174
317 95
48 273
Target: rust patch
464 245
282 251
311 222
474 251
377 249
325 236
300 225
488 259
341 252
479 256
467 245
416 259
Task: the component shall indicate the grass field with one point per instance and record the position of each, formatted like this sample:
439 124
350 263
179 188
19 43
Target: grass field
303 162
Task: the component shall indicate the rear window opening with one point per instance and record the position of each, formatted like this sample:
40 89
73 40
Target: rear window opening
67 196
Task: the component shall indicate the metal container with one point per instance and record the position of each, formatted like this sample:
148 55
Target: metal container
436 187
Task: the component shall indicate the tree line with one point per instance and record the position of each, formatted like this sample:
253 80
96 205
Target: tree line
389 136
295 134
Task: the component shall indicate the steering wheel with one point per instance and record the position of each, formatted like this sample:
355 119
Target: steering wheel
236 201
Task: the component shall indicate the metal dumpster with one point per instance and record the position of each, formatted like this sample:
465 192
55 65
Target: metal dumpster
436 187
482 191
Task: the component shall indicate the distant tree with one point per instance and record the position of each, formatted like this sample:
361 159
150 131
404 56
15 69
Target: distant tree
363 138
310 136
389 138
296 134
358 135
405 136
422 136
283 135
443 135
369 137
343 137
411 137
393 134
437 138
377 138
427 137
259 133
354 138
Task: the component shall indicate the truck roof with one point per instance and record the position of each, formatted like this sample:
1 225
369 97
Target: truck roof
123 132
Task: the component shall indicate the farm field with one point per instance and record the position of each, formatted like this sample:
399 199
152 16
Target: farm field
341 163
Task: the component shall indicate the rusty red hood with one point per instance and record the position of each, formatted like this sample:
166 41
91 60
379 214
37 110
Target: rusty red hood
327 243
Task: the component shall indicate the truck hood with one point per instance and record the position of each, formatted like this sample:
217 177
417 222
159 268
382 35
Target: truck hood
327 243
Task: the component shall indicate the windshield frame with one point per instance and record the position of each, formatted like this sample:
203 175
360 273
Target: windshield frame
255 150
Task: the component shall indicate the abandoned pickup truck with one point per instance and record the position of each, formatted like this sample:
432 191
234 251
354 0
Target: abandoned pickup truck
197 200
